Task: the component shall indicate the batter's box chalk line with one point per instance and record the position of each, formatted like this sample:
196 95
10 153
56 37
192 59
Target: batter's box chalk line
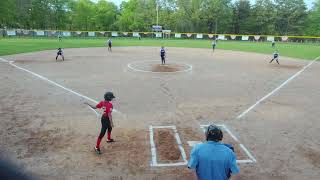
225 128
154 161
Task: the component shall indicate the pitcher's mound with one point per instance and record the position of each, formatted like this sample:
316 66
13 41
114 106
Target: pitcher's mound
167 68
156 67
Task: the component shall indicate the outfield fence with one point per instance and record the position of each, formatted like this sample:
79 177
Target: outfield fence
169 35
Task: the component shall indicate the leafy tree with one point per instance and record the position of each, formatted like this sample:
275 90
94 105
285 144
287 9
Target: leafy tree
137 15
241 17
83 15
263 14
291 17
7 13
105 15
313 27
22 13
216 13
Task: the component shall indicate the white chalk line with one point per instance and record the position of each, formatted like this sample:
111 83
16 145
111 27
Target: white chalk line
54 83
251 160
244 161
154 150
276 89
183 153
144 71
98 115
248 153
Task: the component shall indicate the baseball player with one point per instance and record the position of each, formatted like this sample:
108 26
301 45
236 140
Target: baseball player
163 55
109 44
106 119
214 43
60 53
59 37
275 56
273 44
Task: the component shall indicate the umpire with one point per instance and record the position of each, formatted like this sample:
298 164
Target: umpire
213 160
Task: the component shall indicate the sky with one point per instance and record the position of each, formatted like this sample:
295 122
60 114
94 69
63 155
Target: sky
118 2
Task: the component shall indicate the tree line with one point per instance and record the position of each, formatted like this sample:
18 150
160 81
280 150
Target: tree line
278 17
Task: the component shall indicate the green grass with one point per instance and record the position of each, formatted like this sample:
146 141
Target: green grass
20 45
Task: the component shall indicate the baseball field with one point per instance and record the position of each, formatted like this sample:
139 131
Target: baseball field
269 112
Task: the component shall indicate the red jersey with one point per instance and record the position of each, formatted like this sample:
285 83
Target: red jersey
106 106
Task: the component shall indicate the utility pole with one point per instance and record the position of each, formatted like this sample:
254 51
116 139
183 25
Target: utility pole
216 28
157 9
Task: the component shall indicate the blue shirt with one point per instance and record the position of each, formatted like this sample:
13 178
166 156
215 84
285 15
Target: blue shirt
213 161
162 52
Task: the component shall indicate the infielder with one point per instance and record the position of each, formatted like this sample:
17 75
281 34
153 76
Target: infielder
275 56
106 119
163 55
60 53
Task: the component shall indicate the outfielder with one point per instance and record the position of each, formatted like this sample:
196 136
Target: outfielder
273 44
59 37
106 119
163 55
275 56
60 53
214 43
109 44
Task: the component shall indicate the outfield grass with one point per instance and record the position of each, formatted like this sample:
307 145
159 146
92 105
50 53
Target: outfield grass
21 45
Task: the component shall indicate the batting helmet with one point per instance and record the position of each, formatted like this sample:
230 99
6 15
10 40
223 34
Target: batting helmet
214 133
108 96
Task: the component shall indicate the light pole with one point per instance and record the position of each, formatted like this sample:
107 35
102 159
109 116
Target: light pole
157 9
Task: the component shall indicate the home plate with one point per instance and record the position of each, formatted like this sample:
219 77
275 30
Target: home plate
193 143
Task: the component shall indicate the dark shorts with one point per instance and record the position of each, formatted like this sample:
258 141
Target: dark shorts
213 46
59 53
275 56
162 57
109 45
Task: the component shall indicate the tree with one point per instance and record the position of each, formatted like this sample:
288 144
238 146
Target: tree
216 13
58 14
263 14
23 13
290 17
137 15
242 17
105 15
7 13
83 15
313 22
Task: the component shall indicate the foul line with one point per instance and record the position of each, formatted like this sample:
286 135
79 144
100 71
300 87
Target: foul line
54 83
275 90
